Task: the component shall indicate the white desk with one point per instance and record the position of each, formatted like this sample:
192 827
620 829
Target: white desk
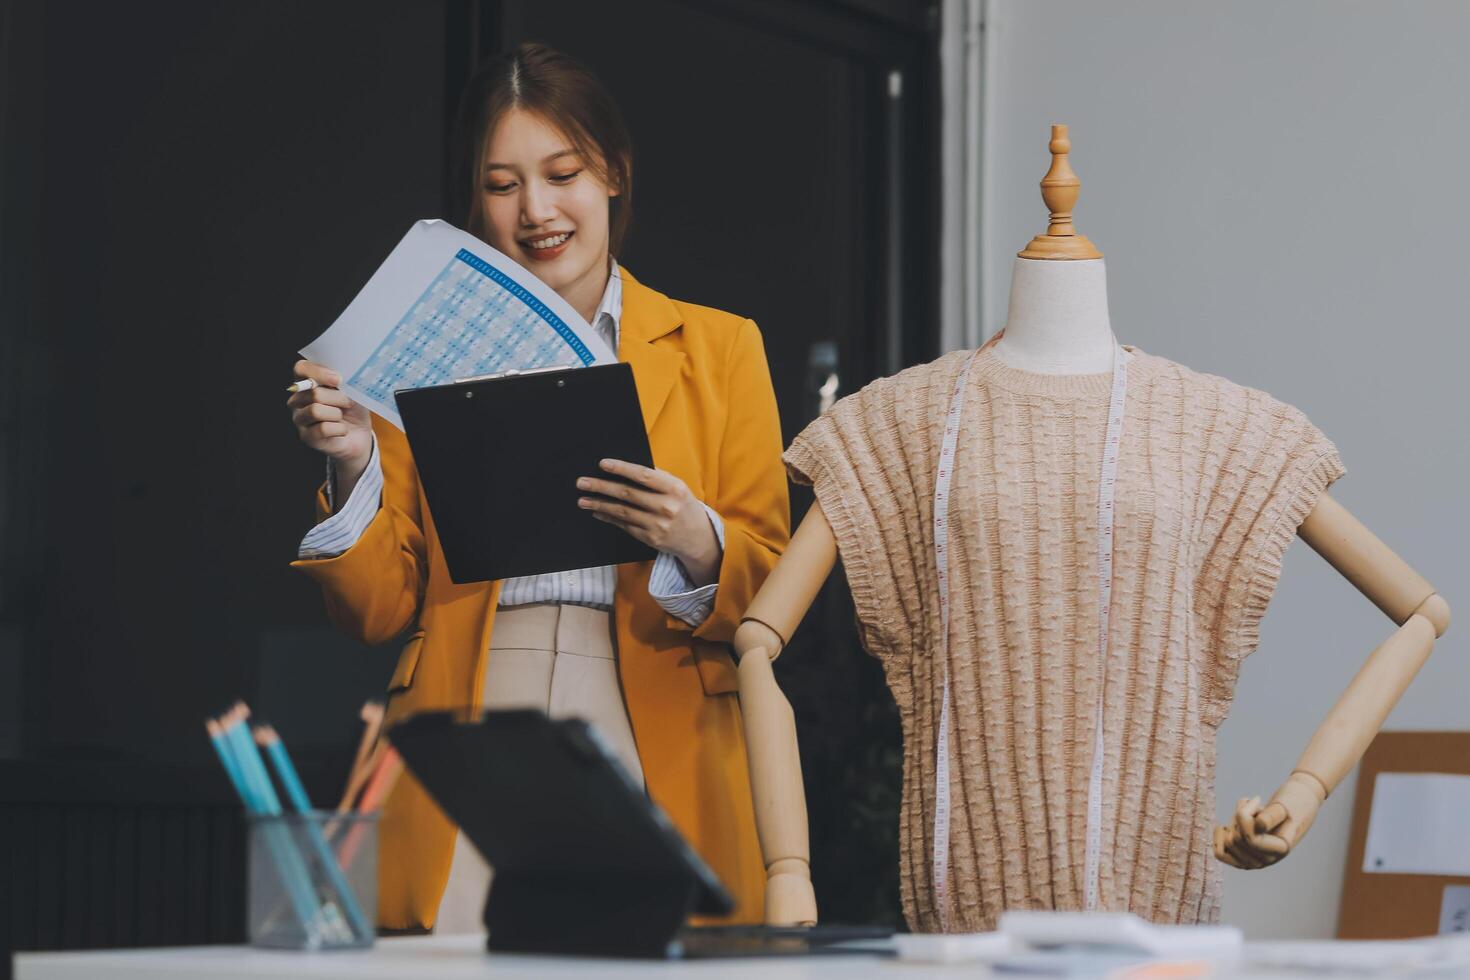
423 958
456 957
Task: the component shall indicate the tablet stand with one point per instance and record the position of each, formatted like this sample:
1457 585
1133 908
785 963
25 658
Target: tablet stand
587 914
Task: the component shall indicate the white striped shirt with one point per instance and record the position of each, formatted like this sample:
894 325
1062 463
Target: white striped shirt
669 585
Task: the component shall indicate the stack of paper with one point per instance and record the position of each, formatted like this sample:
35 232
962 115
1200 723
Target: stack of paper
1078 944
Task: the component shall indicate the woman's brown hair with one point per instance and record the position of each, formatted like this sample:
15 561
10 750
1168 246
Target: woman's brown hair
564 92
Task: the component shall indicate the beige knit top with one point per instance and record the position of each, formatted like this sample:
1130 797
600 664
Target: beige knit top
1213 481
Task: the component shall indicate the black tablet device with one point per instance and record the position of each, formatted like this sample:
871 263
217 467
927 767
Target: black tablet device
499 458
583 861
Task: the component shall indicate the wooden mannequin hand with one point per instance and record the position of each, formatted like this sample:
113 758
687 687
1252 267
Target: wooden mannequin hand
790 900
1261 836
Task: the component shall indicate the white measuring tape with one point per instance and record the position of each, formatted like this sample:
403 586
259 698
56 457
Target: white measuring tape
941 561
944 474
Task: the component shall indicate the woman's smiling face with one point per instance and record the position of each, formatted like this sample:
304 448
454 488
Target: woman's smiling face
544 206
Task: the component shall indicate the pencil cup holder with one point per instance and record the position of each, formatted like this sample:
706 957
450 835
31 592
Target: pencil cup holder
313 880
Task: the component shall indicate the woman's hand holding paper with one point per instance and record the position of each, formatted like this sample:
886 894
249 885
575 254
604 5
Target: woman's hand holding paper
332 423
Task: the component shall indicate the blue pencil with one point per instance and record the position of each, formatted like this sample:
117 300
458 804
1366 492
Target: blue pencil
217 739
325 915
261 799
275 749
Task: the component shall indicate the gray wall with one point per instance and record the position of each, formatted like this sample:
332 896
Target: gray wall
1278 190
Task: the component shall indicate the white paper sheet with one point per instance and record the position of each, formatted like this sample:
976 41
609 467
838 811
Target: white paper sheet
1454 909
1419 824
445 305
1362 958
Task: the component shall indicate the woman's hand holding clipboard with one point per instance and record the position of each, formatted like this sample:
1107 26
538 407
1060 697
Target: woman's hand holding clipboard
659 509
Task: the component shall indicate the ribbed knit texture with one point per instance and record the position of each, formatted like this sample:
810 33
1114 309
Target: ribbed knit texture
1213 481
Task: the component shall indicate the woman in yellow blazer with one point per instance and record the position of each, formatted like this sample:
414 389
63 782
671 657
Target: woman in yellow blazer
547 146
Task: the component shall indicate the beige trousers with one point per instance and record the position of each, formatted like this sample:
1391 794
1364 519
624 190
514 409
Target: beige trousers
563 660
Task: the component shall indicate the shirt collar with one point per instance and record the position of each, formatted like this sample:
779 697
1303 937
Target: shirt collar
607 321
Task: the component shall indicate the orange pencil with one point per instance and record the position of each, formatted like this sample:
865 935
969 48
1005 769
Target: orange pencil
384 776
372 716
381 784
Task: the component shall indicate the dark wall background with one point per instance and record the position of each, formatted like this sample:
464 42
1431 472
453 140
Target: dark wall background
189 192
215 182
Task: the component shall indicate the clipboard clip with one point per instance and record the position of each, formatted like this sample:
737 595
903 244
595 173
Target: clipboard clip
508 373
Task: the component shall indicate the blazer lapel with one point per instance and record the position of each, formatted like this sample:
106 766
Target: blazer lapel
647 316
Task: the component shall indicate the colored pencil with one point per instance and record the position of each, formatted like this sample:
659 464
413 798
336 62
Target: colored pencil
275 750
372 716
259 798
384 776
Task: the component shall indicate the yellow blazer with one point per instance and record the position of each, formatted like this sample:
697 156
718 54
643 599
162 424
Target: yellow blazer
710 412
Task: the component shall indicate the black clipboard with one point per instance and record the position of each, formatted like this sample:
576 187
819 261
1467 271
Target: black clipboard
584 862
498 458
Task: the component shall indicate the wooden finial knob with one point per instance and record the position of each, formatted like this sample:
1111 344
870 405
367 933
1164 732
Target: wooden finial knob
1059 189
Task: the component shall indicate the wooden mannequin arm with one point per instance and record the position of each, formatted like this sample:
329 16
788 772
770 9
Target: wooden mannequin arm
1262 836
770 727
1372 567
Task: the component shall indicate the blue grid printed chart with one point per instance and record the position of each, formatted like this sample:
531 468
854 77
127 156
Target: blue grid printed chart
472 320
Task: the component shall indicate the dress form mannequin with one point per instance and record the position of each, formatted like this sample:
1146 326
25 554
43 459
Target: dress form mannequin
1059 298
